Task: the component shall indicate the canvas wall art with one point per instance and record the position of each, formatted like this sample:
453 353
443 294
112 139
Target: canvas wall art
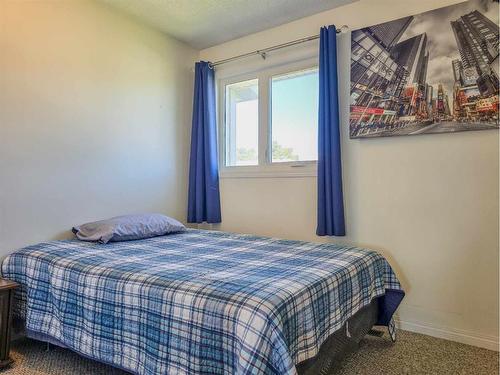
435 72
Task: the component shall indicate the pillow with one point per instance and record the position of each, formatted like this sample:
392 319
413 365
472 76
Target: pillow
128 227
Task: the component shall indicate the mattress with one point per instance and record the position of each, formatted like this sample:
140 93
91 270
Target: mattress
198 302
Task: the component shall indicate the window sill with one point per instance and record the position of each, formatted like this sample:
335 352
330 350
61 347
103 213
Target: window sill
274 171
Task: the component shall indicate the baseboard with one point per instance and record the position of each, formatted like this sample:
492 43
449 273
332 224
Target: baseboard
464 337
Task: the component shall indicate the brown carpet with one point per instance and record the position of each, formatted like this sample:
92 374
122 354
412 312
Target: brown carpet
411 354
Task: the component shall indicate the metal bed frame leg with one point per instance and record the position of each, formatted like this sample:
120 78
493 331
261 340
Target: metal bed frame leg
391 330
47 348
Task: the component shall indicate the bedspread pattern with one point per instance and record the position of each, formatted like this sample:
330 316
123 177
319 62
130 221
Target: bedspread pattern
199 302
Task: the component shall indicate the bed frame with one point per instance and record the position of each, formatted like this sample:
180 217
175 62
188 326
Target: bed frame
341 343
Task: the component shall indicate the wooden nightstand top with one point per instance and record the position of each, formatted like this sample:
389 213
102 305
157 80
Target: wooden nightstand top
7 284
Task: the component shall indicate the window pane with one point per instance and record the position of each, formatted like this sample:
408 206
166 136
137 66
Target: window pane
242 123
294 116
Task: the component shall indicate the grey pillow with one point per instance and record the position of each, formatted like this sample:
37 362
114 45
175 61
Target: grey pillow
128 227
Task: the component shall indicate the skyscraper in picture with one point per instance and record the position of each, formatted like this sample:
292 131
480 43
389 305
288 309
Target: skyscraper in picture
476 36
412 55
377 81
388 34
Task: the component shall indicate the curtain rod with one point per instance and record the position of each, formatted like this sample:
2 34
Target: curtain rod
263 52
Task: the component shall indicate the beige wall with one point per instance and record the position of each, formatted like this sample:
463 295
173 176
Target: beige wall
429 202
94 118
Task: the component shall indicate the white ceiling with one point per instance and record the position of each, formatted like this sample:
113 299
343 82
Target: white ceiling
204 23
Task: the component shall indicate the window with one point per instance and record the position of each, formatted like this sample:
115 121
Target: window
294 112
268 122
242 118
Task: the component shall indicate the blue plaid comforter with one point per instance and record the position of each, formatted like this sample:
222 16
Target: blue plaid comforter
198 302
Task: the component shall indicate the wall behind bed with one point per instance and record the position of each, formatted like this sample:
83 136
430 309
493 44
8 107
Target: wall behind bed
429 203
94 118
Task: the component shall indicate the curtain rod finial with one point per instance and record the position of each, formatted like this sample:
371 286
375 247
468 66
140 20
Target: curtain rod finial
342 29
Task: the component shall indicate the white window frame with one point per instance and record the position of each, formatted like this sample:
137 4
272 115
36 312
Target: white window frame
265 168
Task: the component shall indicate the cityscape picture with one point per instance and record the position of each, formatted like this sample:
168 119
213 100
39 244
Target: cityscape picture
435 72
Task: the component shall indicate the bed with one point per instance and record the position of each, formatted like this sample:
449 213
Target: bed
202 302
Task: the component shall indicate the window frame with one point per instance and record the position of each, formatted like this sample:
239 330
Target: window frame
265 168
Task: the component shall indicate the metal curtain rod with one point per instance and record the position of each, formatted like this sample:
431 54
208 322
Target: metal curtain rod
263 52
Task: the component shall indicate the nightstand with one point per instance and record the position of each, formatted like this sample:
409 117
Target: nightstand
6 291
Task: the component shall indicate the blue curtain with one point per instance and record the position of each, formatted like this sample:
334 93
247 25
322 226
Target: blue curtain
203 194
330 196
